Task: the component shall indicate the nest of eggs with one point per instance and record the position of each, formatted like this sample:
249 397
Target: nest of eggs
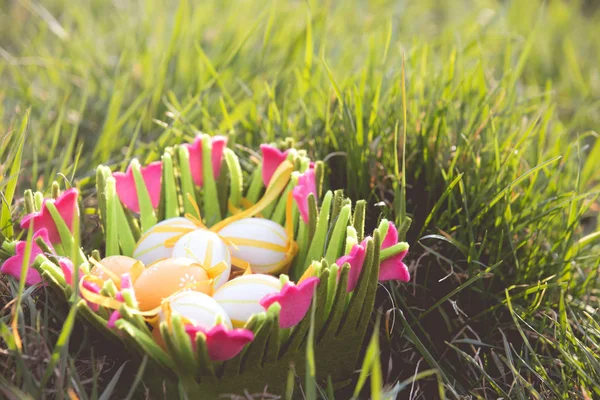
221 283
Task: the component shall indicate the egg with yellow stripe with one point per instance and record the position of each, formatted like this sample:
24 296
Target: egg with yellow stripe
156 243
240 297
206 248
197 308
262 243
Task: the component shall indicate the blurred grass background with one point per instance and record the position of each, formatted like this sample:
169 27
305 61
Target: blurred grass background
499 142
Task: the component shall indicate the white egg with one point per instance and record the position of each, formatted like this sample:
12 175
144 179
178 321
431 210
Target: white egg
198 308
261 242
151 246
206 248
240 297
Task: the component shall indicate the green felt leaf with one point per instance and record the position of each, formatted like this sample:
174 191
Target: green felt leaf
211 210
147 213
236 178
112 222
29 202
125 234
256 185
358 220
147 344
187 183
317 245
338 236
169 191
101 194
66 238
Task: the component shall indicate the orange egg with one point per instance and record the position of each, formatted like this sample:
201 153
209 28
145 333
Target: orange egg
115 264
166 277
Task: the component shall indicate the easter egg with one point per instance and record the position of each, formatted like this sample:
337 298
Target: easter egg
206 248
198 308
240 297
118 265
261 242
151 247
166 277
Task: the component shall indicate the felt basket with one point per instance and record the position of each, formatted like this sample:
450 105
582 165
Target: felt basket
334 326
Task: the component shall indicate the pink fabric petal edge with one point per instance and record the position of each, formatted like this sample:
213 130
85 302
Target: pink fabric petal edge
295 301
272 158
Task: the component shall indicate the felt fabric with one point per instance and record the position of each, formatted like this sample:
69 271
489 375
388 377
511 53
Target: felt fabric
126 190
66 205
66 266
195 152
114 317
294 300
272 158
393 268
307 184
12 266
222 343
92 287
356 259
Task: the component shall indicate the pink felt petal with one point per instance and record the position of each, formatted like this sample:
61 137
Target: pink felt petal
391 238
272 158
222 343
126 281
66 205
394 269
67 268
92 287
356 258
125 187
12 266
195 151
126 190
218 145
114 317
152 175
306 185
294 300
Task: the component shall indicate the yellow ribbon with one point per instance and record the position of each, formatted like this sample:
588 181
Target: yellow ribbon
278 183
113 277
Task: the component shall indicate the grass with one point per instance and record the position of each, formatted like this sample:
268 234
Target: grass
497 148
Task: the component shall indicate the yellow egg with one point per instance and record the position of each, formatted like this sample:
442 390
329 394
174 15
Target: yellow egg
206 248
240 297
151 247
261 242
198 308
166 277
118 265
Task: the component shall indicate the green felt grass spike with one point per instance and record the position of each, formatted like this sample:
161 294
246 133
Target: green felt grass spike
125 234
171 207
185 176
38 198
29 202
147 212
256 185
112 226
236 178
317 245
358 220
337 238
212 210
